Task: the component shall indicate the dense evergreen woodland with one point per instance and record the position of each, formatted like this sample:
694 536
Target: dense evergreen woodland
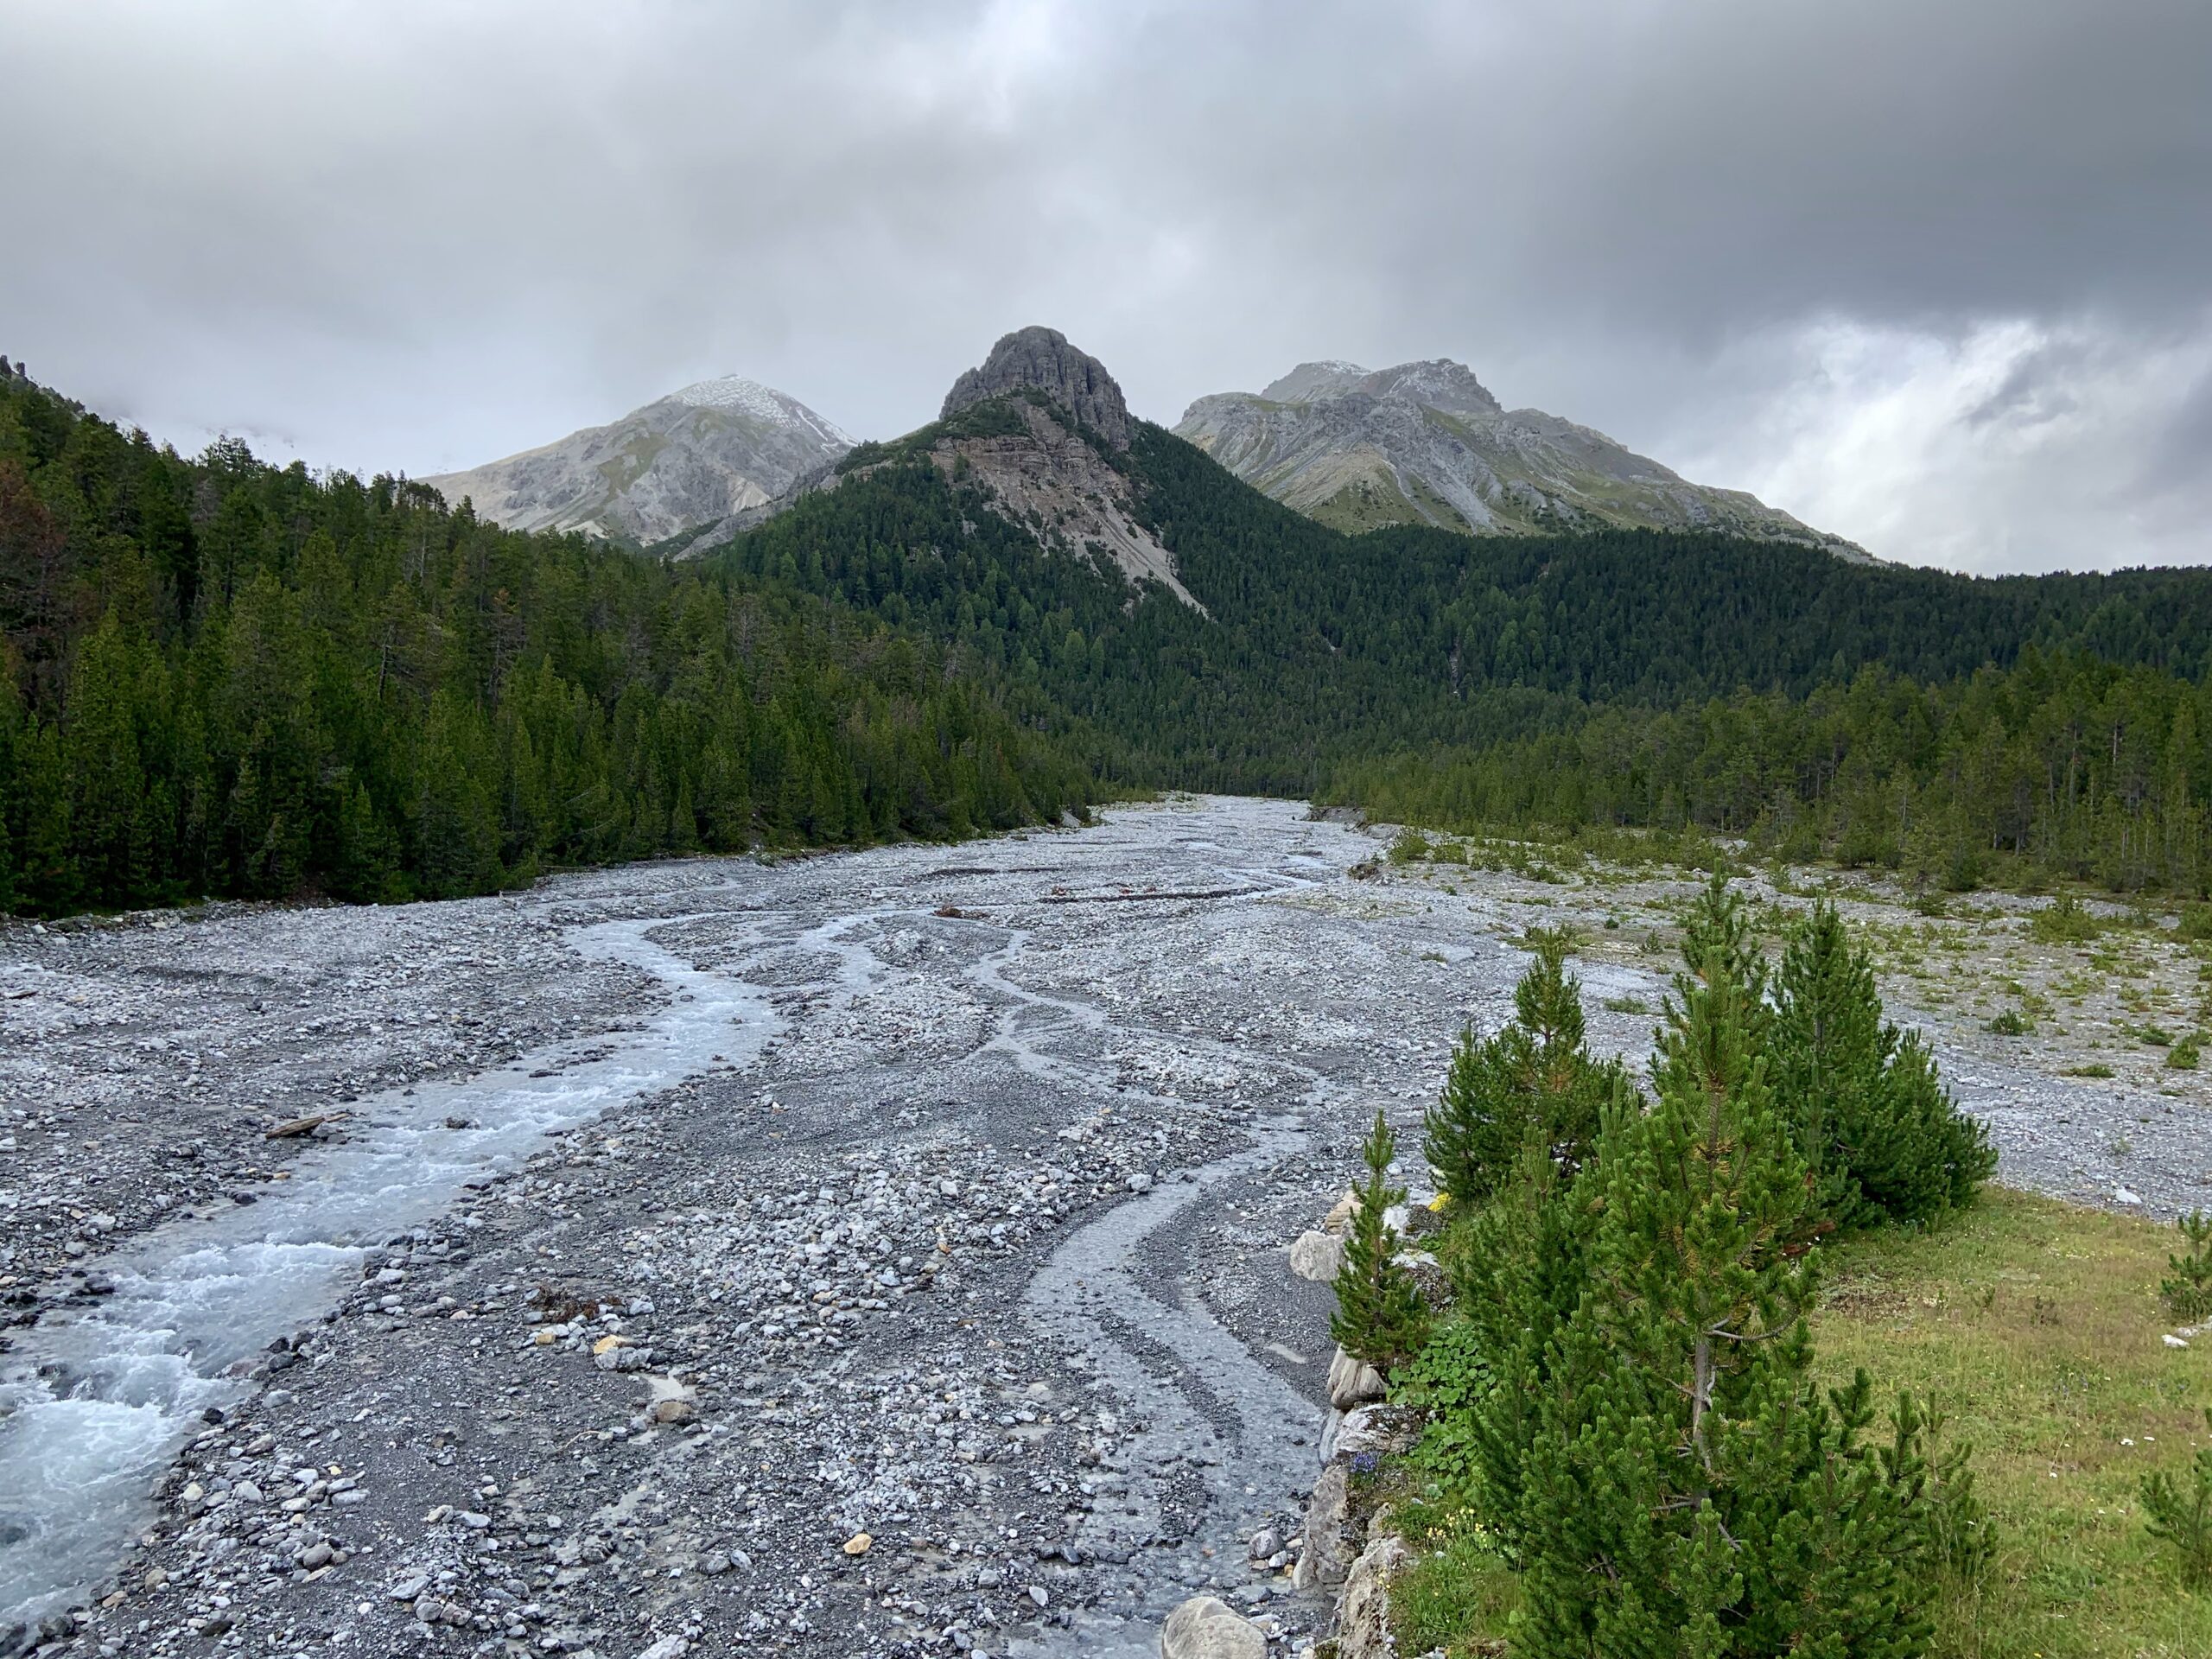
223 677
226 677
2063 764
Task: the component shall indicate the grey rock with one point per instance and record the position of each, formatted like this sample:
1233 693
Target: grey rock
1318 1256
1363 1631
1206 1627
1329 1546
1042 358
1353 1382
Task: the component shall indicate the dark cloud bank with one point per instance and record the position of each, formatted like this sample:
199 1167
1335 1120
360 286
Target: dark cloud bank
1932 277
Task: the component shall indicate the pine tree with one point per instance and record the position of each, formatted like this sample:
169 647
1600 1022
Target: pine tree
1380 1315
1535 1077
2179 1512
1688 1491
1867 1110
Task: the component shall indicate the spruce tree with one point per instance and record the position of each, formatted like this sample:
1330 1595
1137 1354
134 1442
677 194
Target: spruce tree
1380 1315
1829 1051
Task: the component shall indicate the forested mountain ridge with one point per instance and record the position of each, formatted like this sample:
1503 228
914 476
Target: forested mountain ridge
1412 630
223 677
1427 443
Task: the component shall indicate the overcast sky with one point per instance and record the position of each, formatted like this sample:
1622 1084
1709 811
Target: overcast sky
1935 275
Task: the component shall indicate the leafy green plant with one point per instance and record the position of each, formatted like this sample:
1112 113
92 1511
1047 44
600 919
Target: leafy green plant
2195 924
2012 1023
2185 1055
2188 1294
2179 1512
2094 1069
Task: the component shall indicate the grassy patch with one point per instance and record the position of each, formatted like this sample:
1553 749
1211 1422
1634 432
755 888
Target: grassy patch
1458 1599
2036 1327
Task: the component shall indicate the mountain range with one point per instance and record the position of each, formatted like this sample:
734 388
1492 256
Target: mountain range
222 675
1422 443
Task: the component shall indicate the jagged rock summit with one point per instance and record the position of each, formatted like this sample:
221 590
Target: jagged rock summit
1427 443
691 458
1042 358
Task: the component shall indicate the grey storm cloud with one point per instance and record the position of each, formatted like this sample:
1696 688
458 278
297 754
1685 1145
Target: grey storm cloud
1933 275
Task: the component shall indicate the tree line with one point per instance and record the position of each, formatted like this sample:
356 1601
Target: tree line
223 677
2063 765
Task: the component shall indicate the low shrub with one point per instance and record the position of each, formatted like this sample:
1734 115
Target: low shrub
2065 921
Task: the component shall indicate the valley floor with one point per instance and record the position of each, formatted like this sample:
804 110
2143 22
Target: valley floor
881 1253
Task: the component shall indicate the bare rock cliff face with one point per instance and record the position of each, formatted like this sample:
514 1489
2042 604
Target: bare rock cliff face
1042 358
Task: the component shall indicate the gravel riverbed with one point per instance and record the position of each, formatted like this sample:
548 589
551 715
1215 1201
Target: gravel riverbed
871 1254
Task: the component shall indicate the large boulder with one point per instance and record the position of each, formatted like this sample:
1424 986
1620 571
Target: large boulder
1318 1256
1041 359
1206 1627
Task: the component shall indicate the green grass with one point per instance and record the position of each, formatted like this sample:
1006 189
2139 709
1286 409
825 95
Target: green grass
1457 1598
2037 1327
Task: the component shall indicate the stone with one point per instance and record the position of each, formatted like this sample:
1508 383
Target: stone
858 1544
1318 1256
1329 1548
1363 1630
669 1647
1373 1429
1206 1627
1353 1382
1042 360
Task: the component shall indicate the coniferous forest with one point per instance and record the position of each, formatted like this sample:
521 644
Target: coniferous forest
225 677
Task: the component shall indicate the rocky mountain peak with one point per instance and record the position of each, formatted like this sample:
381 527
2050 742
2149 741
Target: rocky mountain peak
1426 443
1439 382
1042 358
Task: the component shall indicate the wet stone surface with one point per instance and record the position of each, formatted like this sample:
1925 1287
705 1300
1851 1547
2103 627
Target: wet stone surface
877 1254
